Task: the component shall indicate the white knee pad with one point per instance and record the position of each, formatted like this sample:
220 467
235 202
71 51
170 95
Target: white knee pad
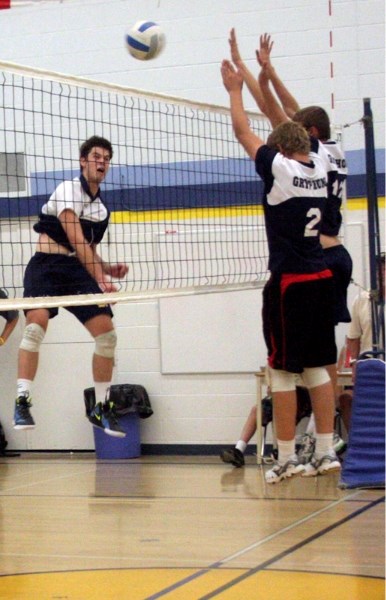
281 381
105 344
315 376
32 337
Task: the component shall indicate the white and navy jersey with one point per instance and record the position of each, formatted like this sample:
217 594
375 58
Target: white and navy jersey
332 218
294 200
76 196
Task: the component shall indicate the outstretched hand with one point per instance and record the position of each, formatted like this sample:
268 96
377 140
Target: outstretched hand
232 78
235 53
263 54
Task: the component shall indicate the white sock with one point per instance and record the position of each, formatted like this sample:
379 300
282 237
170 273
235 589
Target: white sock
311 425
241 445
101 388
286 450
324 444
24 386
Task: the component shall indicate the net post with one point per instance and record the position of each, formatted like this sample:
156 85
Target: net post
378 329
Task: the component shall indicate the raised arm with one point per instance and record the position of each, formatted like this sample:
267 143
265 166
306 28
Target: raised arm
273 110
233 83
250 80
259 89
263 55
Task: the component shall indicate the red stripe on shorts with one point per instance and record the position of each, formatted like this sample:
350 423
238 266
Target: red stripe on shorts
290 278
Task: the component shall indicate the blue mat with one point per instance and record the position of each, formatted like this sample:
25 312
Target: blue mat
364 463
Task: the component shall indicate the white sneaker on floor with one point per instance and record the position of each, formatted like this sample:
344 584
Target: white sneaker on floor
290 469
328 463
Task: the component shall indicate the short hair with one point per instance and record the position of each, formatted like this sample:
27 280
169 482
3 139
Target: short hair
314 116
291 137
93 141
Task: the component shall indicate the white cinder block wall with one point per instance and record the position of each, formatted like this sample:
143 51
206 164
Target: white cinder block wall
329 53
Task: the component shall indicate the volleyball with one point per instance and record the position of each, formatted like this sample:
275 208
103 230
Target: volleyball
145 40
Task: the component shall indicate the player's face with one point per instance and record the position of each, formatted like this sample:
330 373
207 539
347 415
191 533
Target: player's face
96 165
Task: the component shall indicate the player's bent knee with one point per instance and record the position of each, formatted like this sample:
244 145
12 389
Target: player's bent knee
315 376
281 381
32 337
105 344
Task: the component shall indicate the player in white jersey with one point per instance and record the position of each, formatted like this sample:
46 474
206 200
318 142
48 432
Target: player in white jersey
66 262
297 311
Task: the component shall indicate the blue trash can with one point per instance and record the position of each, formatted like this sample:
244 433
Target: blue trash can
109 447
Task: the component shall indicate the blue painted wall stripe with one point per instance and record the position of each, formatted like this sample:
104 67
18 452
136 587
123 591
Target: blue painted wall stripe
149 198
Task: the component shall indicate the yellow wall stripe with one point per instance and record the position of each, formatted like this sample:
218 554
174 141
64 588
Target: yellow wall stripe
189 214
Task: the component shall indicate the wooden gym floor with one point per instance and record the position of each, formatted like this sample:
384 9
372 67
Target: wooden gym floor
183 528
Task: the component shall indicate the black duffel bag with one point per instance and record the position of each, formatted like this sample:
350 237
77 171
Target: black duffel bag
126 397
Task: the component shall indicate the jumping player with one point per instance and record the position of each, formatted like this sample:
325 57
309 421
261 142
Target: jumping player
317 123
298 318
71 225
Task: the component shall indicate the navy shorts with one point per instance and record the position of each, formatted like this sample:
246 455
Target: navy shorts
61 275
298 321
339 262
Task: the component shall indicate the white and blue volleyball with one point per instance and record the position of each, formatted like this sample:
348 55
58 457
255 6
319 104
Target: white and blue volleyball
145 40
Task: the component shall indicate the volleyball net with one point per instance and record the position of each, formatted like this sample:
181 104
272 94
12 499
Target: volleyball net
184 197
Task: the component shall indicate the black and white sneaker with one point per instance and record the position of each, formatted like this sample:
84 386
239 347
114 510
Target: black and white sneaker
324 465
233 456
104 417
291 468
306 449
339 444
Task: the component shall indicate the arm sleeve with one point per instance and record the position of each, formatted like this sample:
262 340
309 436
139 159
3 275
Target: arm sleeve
67 196
263 162
332 216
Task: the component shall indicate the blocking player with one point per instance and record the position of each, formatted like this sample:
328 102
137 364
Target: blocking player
70 226
298 318
317 123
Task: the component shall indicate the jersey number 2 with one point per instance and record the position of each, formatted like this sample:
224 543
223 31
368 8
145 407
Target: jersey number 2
311 229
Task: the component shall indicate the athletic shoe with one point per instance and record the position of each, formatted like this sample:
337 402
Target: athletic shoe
104 416
307 448
339 445
22 417
233 456
329 463
291 468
